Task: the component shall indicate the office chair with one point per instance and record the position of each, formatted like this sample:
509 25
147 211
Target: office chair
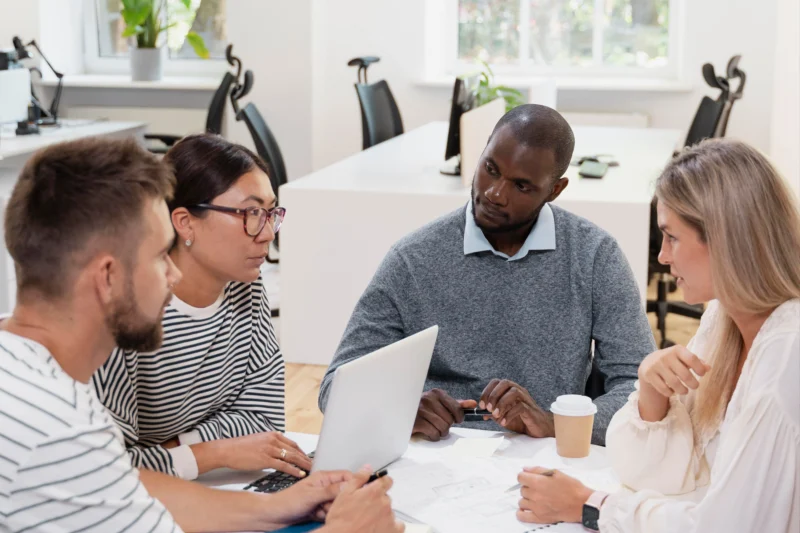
216 111
380 117
710 121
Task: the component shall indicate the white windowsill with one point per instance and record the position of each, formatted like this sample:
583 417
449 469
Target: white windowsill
123 81
578 84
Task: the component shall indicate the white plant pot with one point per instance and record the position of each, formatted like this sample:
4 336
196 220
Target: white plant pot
147 64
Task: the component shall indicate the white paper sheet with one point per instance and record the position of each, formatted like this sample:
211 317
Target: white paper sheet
476 447
456 493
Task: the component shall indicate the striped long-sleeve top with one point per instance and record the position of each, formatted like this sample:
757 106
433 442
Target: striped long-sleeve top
218 374
63 465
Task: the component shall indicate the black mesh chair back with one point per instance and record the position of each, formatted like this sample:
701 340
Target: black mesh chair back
266 144
216 109
704 125
380 117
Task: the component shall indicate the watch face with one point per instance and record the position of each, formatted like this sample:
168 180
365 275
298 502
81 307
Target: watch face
590 517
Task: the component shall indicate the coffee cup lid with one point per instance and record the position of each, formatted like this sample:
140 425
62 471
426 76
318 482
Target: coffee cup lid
573 405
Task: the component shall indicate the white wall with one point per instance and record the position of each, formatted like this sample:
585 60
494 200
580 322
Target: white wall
345 29
17 18
785 147
273 38
714 31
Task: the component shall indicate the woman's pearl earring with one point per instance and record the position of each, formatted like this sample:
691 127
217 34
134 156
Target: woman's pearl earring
188 243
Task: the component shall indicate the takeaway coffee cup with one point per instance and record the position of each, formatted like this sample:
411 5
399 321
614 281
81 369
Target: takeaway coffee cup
574 418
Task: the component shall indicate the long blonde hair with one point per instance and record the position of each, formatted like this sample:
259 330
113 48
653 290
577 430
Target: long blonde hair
745 213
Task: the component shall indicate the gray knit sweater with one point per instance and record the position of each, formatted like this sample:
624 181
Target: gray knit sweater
531 321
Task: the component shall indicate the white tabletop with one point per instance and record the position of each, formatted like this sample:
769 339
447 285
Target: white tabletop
410 163
429 469
13 146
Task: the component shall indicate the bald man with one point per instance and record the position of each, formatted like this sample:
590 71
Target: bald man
520 289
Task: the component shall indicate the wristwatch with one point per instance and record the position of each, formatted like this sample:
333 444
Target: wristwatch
591 510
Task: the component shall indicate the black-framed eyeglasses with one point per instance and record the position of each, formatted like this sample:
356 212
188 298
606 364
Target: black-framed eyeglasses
255 218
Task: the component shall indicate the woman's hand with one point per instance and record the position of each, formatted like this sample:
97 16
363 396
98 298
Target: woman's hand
253 452
550 499
664 374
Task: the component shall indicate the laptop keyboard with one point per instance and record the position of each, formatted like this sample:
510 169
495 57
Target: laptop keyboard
275 481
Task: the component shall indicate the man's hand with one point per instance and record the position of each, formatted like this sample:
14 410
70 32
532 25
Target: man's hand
363 508
310 498
253 452
513 408
437 412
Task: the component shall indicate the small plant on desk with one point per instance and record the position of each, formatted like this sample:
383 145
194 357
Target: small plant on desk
488 91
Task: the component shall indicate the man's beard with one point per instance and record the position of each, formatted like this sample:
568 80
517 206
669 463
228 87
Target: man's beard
130 329
503 228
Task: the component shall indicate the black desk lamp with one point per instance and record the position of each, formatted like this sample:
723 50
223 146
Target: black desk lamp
22 53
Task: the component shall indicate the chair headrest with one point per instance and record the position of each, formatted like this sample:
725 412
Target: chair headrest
363 61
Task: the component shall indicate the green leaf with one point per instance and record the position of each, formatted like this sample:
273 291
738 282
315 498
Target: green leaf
161 29
130 31
137 15
487 68
187 3
197 43
509 90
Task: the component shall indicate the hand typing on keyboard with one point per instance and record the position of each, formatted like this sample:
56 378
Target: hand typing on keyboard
276 481
253 452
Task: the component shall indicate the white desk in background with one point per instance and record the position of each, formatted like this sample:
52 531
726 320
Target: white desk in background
16 149
343 219
15 152
461 494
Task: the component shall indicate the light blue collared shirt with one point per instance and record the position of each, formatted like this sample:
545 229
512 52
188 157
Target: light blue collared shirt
541 237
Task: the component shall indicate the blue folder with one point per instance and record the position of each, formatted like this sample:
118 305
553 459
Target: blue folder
300 528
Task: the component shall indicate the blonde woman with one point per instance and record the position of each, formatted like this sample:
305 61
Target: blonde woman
710 441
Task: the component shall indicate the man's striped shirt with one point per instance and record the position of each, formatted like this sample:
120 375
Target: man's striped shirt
63 465
219 374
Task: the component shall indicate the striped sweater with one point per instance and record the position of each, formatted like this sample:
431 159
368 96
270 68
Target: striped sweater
63 465
218 374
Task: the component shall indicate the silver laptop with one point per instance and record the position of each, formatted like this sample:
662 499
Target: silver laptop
373 404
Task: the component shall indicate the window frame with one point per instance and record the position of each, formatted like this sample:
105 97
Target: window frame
443 35
94 63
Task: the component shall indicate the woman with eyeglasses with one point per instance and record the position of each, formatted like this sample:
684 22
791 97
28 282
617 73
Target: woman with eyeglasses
213 395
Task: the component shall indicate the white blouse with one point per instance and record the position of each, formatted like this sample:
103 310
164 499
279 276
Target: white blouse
745 476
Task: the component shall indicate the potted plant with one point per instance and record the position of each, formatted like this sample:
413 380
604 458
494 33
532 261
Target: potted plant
488 91
145 20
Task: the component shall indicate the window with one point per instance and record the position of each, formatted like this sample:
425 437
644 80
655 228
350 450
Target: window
107 50
568 36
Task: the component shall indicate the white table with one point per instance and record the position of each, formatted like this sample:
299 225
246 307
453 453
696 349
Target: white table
343 219
15 152
418 475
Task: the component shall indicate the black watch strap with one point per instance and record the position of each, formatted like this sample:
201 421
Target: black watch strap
591 515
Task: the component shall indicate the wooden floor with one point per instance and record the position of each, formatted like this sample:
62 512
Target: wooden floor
302 381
